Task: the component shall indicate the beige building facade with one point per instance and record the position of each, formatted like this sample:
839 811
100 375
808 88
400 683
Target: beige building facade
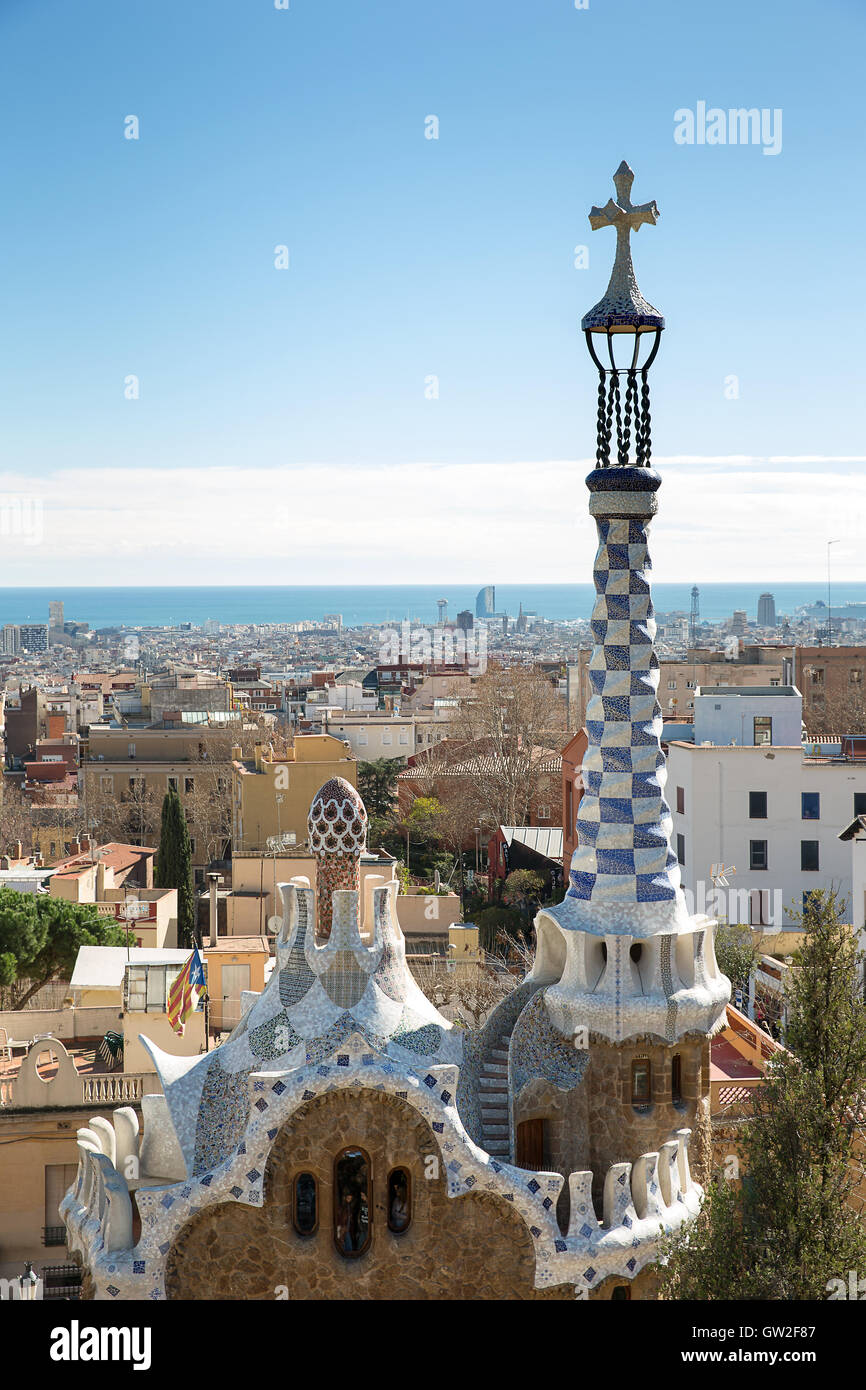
271 794
678 680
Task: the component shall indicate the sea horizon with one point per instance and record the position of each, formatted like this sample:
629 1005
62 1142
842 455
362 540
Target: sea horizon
372 604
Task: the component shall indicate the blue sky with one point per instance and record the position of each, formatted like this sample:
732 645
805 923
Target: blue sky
282 431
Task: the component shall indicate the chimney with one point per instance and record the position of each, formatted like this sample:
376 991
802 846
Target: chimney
237 752
85 844
213 881
17 850
258 755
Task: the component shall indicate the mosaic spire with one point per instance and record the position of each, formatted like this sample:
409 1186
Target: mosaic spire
337 827
624 876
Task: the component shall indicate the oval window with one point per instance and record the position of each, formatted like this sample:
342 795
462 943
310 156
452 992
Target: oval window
352 1202
399 1200
306 1213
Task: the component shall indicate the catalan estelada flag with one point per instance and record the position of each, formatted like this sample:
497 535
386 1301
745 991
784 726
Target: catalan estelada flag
180 1000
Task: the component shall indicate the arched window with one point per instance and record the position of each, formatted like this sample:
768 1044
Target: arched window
352 1202
621 1294
677 1079
305 1206
399 1200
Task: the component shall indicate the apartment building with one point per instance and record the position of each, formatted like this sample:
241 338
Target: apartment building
271 794
833 682
34 637
135 767
202 690
679 680
747 799
375 735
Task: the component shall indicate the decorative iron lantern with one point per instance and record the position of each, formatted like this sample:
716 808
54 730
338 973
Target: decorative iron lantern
623 316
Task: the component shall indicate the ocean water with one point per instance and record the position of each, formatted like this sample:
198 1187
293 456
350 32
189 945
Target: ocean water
166 607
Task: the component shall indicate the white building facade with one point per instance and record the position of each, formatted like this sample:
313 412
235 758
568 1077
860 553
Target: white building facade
772 814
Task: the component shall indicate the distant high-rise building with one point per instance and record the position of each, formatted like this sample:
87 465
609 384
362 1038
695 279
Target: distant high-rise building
694 616
34 637
485 603
55 614
465 620
766 611
11 639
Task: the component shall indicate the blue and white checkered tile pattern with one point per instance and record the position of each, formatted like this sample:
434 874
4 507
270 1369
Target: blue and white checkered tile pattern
624 823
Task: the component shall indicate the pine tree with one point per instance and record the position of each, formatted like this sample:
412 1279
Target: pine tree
790 1228
174 865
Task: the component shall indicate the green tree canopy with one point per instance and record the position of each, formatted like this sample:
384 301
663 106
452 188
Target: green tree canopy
426 821
174 865
789 1229
497 926
523 887
736 954
426 827
40 937
377 783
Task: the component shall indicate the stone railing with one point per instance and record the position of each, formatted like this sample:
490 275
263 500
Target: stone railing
66 1086
118 1088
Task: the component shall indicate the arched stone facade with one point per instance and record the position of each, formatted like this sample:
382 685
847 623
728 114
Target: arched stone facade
471 1247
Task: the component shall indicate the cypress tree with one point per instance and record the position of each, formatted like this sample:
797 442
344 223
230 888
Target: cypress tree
174 865
790 1229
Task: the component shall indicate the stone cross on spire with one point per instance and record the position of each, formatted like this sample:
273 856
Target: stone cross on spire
623 306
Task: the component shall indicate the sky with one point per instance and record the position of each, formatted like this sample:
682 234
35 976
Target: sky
410 399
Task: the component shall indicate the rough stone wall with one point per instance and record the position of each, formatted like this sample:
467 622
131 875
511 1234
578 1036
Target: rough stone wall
471 1247
595 1124
566 1132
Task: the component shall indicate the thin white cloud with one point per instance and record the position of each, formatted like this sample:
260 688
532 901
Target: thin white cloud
720 517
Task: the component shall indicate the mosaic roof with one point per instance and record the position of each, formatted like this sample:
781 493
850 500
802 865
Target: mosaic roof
316 997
